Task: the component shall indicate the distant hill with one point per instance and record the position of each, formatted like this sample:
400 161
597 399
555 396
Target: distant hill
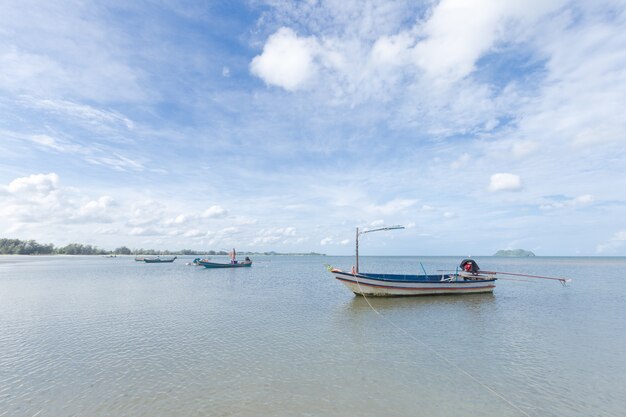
513 252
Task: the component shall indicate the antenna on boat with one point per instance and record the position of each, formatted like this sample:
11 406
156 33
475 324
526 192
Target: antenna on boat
370 231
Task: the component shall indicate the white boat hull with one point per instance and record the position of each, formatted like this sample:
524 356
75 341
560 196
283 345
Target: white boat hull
362 285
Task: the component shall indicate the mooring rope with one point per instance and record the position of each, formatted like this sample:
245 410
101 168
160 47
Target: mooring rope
441 357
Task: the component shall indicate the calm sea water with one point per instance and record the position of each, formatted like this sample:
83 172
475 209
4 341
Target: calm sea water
93 336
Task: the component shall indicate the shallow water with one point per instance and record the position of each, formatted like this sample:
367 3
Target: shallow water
93 336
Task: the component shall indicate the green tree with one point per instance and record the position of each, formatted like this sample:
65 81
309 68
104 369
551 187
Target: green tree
123 250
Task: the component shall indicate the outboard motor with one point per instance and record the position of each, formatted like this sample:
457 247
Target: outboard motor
469 265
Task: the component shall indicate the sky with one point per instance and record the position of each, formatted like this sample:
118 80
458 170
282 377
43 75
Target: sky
479 125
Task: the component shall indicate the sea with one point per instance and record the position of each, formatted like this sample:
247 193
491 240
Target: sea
95 336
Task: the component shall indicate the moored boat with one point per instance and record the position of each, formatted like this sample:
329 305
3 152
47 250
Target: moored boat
398 285
466 281
158 260
196 262
234 263
467 278
208 264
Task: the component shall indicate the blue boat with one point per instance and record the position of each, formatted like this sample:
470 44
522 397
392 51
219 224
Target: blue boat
398 285
158 260
232 264
468 280
235 264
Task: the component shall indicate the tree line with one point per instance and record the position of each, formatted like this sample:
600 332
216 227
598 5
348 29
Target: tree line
31 247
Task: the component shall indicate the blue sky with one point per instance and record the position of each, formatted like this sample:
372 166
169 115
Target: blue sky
275 125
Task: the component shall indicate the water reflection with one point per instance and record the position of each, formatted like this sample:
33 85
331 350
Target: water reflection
384 304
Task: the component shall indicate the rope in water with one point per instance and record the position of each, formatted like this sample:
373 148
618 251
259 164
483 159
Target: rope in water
437 354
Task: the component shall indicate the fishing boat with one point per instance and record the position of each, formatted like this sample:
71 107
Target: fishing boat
234 263
468 280
196 262
237 264
386 285
158 260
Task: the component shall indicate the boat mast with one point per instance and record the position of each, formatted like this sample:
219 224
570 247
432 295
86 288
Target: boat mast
357 250
369 231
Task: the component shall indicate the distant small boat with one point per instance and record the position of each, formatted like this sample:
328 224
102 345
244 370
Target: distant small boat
236 264
139 258
233 263
158 260
197 261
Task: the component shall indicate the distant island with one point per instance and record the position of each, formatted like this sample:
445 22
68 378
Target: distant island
514 252
31 247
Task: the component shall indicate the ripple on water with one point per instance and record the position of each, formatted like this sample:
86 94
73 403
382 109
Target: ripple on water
95 336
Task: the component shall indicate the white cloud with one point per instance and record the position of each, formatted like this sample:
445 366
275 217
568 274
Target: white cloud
145 213
327 241
377 223
144 231
390 53
578 106
505 182
194 233
117 162
286 235
287 60
39 198
180 219
215 212
106 230
598 135
617 241
97 211
230 230
67 50
83 112
581 200
524 148
392 207
295 241
20 68
244 221
91 153
47 141
289 231
261 240
462 161
35 184
445 46
459 32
